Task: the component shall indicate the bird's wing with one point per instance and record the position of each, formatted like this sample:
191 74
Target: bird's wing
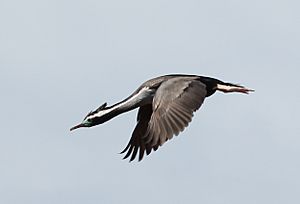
173 106
172 109
137 142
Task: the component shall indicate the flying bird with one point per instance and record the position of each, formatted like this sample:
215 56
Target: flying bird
166 106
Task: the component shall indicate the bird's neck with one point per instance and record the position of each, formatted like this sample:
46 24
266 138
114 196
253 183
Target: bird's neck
140 97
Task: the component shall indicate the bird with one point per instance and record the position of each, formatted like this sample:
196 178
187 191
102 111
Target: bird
166 106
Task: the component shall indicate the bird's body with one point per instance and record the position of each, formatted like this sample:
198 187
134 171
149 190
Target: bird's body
166 106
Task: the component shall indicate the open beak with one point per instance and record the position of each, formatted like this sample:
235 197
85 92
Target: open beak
77 126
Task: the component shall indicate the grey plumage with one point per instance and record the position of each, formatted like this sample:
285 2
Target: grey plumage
166 106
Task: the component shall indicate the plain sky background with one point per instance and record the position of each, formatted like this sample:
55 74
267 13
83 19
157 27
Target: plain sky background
61 59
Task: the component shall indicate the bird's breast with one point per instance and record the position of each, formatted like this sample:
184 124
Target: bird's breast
145 96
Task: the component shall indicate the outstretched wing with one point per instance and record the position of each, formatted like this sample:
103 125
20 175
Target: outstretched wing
171 111
173 106
137 142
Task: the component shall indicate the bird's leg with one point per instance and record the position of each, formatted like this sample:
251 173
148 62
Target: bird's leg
227 88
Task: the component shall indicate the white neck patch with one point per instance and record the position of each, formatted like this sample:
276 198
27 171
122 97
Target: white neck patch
136 98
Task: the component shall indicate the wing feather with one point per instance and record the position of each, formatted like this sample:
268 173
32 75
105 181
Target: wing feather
171 111
173 104
137 142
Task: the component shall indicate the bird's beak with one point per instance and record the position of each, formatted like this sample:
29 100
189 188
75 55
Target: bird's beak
77 126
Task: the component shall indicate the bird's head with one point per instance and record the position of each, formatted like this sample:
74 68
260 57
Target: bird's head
93 118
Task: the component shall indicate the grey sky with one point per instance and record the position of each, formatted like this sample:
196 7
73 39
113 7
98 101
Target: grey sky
60 59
